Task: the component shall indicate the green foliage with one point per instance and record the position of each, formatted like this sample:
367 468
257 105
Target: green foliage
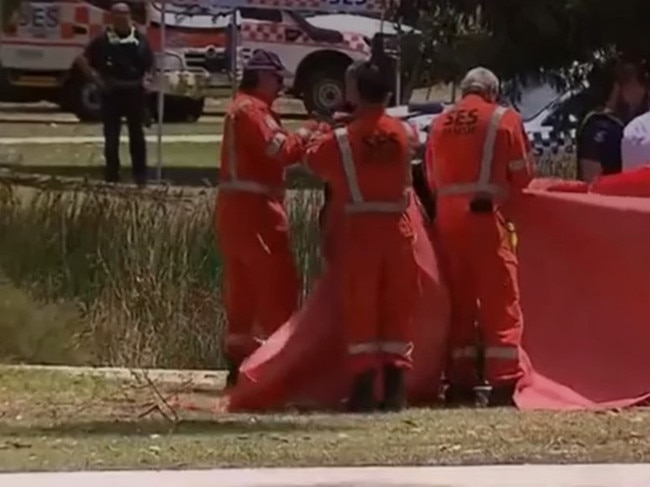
520 38
141 268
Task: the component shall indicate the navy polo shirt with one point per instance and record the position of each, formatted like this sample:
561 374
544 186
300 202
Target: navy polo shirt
599 139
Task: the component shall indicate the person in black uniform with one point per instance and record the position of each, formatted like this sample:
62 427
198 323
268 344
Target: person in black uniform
621 94
118 61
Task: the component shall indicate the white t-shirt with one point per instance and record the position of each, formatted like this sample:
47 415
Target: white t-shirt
635 146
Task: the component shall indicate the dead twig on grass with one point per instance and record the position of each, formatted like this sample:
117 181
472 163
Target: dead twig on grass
160 403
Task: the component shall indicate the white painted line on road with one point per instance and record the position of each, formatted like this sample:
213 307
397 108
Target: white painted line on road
612 475
195 138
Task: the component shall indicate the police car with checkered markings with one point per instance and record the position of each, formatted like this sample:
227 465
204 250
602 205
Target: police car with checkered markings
551 129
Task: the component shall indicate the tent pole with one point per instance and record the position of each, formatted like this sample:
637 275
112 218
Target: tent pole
234 51
161 91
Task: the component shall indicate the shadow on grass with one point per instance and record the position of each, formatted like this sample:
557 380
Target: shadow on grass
147 427
195 177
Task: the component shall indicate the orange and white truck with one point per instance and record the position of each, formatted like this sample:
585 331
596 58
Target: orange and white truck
40 43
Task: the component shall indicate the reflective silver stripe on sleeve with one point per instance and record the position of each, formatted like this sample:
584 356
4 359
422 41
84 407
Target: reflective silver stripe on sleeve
275 144
517 165
503 353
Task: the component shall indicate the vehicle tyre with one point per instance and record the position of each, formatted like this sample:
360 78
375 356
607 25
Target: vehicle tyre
83 98
324 90
178 109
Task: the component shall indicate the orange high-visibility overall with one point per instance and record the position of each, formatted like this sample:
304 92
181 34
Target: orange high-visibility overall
477 154
379 282
261 282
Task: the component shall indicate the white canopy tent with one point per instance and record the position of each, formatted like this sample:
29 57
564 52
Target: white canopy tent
325 6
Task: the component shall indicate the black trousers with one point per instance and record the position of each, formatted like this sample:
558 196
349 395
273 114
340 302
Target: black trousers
129 103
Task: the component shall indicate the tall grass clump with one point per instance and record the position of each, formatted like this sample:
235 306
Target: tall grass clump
141 266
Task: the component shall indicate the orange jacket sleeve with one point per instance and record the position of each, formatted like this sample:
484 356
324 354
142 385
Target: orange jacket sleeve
518 163
321 155
266 135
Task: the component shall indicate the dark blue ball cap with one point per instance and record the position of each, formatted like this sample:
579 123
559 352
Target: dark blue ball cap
263 60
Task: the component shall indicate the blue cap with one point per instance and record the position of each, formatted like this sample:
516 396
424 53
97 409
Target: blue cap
266 61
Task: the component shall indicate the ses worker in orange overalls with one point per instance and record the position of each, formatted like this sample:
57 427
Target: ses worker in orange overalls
262 284
367 165
477 158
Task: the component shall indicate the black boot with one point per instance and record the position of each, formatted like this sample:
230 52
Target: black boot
362 397
233 373
502 396
459 396
394 389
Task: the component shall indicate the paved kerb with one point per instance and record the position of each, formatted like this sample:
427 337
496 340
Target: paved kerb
607 475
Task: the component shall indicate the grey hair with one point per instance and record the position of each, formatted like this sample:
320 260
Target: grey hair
480 80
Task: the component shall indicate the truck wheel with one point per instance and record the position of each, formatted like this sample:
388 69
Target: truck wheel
324 90
178 110
84 100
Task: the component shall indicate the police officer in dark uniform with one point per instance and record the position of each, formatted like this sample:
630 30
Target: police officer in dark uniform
621 95
118 61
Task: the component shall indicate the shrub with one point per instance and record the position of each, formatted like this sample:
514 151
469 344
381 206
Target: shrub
141 267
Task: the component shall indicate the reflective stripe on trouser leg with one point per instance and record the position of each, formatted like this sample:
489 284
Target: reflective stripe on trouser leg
500 312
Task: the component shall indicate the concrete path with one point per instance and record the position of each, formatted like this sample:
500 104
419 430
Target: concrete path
197 377
483 476
197 138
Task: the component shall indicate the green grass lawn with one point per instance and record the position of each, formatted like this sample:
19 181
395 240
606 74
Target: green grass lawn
212 125
56 421
175 154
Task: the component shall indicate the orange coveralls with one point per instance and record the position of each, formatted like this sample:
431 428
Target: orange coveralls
262 284
478 150
379 282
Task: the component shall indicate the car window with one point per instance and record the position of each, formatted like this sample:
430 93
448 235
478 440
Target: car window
266 14
567 113
531 98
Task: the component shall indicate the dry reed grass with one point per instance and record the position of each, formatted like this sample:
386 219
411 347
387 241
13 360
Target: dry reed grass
141 267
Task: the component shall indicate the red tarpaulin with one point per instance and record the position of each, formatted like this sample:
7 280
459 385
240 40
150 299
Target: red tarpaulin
585 282
304 362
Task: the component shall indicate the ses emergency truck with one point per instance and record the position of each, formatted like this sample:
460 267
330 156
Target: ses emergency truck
41 42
